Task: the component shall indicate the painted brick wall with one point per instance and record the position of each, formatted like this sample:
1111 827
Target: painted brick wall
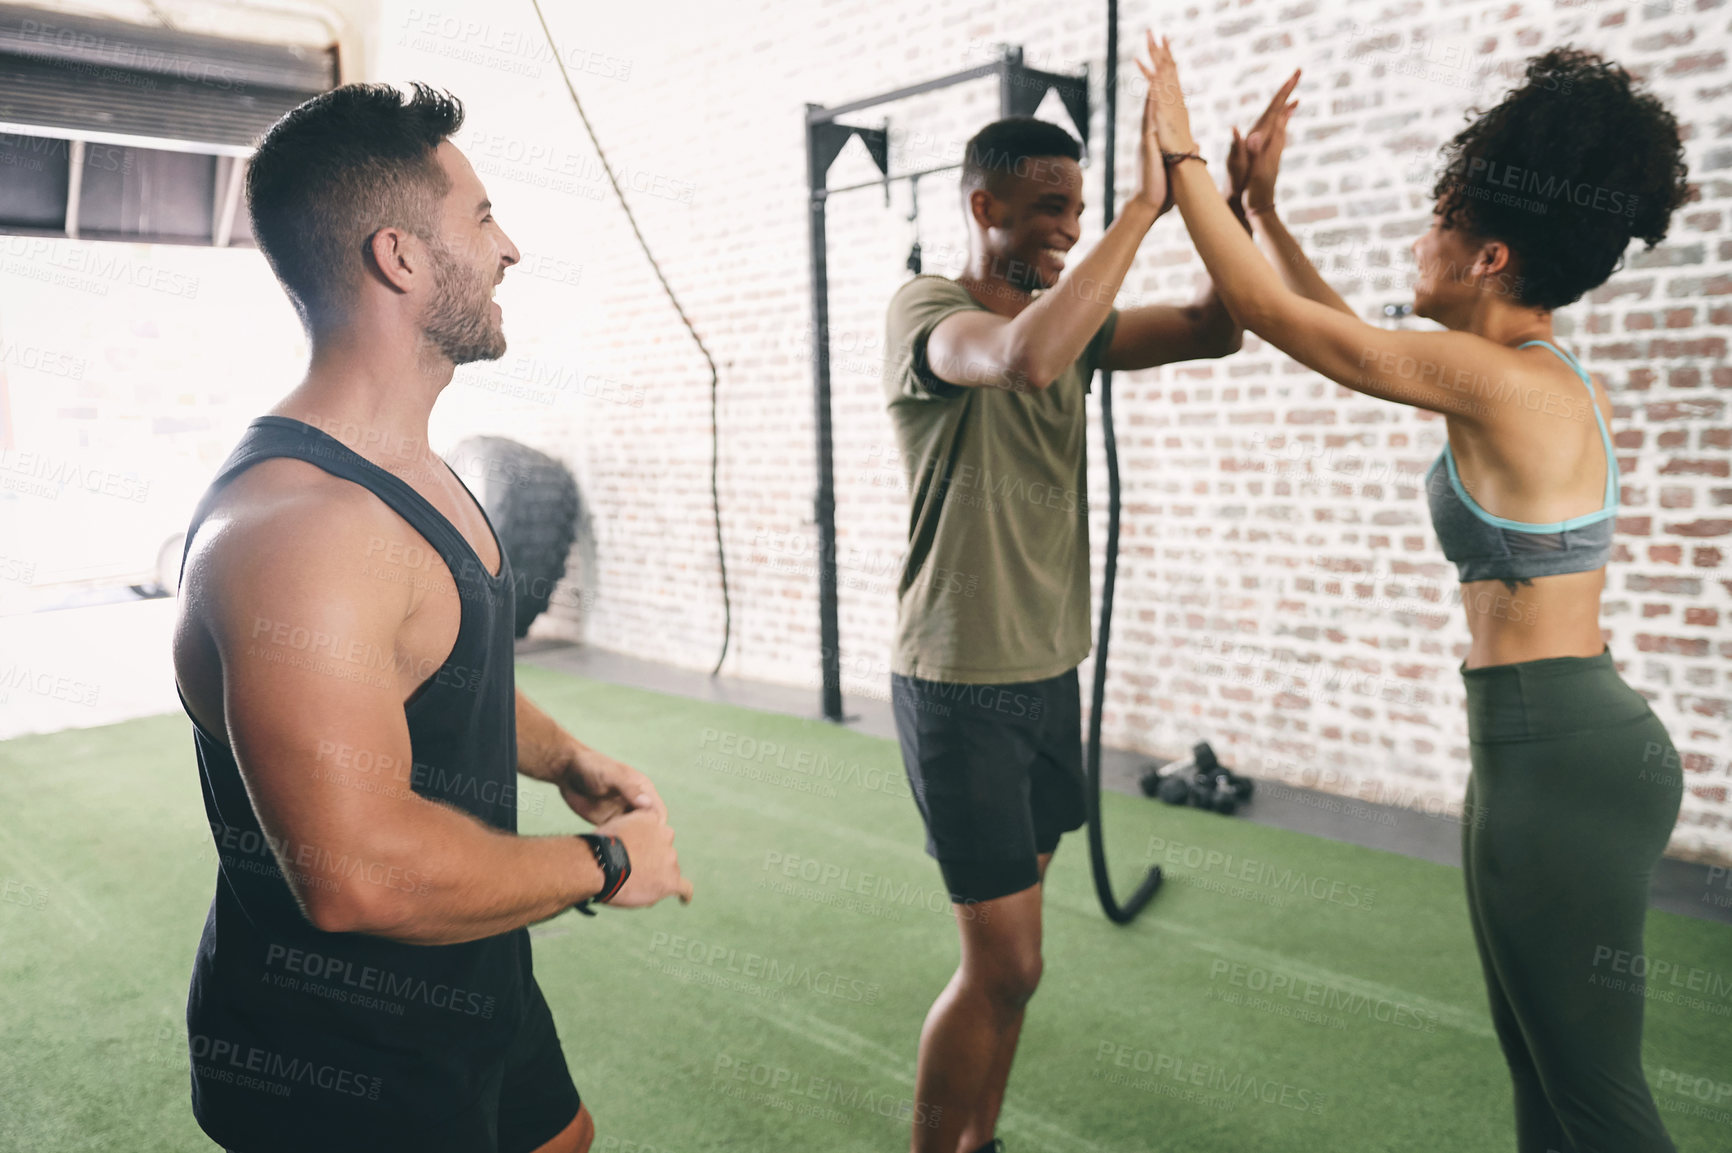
1280 592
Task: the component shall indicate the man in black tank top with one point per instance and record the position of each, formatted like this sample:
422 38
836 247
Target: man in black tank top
344 650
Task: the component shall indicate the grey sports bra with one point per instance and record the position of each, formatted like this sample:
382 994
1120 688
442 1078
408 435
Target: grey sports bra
1487 547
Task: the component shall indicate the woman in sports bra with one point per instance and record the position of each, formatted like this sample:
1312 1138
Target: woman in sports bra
1574 787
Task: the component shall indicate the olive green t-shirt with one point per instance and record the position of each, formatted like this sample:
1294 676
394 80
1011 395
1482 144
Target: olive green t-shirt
995 583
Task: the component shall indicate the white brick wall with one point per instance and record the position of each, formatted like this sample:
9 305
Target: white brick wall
1279 578
1281 593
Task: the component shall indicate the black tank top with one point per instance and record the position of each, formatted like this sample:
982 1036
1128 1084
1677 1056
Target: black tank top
303 1039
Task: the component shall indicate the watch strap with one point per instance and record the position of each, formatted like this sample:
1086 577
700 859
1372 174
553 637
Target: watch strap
615 864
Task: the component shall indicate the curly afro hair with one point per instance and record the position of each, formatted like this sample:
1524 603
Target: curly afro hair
1566 170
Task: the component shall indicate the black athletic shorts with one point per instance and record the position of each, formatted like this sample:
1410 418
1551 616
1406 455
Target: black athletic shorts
997 774
529 1097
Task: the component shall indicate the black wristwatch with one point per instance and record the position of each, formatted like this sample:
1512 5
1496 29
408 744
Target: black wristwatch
615 865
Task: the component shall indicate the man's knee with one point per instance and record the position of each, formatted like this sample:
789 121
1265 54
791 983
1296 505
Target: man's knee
1012 977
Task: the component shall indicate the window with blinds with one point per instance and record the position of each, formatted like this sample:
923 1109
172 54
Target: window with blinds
118 131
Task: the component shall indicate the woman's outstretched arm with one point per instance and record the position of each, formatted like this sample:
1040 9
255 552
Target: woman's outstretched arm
1284 253
1456 373
1254 161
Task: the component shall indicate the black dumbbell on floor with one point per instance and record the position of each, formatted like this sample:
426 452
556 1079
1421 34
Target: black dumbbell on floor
1200 780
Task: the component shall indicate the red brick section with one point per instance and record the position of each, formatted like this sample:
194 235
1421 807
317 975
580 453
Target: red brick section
1281 593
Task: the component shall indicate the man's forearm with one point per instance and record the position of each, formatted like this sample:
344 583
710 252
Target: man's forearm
460 879
456 880
545 751
1059 324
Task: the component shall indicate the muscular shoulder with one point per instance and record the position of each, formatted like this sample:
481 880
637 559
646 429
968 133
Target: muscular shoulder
286 533
287 505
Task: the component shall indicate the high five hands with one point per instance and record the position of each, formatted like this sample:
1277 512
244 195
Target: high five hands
1252 161
1153 188
1165 108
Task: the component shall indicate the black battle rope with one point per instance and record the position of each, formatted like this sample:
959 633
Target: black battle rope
715 443
1120 915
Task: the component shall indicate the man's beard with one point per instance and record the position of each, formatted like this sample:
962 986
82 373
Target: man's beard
459 322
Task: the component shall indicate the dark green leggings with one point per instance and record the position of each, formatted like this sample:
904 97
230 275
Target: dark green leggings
1574 791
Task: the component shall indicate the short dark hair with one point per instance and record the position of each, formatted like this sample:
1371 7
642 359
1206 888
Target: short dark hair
335 170
1005 149
1566 170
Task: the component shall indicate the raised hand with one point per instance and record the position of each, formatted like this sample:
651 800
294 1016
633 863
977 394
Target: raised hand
1172 119
1263 147
1152 187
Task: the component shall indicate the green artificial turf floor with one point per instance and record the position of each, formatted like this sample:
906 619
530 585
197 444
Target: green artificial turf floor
1284 993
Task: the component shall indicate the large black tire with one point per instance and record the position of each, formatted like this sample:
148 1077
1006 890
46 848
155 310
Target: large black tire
532 500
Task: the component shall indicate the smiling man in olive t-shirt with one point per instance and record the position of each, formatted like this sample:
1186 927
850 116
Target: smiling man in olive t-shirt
986 382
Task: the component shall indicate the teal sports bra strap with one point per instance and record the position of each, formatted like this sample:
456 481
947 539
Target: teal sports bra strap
1611 494
1567 359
